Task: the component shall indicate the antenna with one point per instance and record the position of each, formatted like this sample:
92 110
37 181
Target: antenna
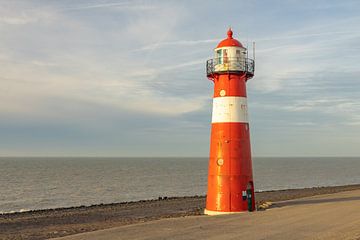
247 49
254 51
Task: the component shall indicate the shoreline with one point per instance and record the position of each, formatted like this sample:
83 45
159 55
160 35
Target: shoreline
24 211
58 222
162 198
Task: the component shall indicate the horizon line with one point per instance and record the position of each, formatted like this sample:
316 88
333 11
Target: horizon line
84 156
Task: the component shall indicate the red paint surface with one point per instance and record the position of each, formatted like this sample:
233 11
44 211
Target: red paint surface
233 84
229 41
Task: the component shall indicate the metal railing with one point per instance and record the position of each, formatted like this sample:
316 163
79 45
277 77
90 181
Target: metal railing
230 65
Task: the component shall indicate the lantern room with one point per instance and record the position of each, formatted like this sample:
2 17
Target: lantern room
230 56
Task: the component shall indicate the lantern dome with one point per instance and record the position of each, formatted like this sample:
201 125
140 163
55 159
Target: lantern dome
229 41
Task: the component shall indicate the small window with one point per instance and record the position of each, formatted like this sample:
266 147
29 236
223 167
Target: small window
219 56
238 55
225 53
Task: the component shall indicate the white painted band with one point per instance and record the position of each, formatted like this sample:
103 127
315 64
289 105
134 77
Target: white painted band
230 109
214 213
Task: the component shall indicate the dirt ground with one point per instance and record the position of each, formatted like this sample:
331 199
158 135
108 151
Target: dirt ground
51 223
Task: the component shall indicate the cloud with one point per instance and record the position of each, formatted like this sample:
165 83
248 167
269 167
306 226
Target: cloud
16 20
330 105
120 71
19 13
177 43
73 72
124 6
306 34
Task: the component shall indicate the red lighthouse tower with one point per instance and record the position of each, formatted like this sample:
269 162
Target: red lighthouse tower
230 178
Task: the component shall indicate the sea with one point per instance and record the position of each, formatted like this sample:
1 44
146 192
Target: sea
44 183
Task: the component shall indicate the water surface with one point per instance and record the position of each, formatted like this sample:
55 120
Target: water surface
39 183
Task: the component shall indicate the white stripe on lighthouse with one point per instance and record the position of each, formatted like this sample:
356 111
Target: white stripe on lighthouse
230 109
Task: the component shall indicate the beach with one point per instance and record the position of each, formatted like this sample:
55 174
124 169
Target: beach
53 223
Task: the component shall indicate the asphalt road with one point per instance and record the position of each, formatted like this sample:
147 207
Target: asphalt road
333 216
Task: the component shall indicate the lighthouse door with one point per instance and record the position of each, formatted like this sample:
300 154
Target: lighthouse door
250 196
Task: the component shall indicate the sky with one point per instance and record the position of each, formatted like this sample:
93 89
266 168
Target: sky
127 78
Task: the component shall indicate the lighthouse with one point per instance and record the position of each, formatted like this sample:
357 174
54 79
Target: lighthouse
230 178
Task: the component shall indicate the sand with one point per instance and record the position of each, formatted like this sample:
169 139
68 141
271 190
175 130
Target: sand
53 223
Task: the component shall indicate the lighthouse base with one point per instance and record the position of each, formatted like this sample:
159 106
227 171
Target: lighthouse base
214 213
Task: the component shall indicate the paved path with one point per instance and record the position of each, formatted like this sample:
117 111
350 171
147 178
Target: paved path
333 216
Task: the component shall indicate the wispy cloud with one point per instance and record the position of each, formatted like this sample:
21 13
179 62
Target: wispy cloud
124 6
16 20
111 67
80 76
17 14
306 34
177 43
